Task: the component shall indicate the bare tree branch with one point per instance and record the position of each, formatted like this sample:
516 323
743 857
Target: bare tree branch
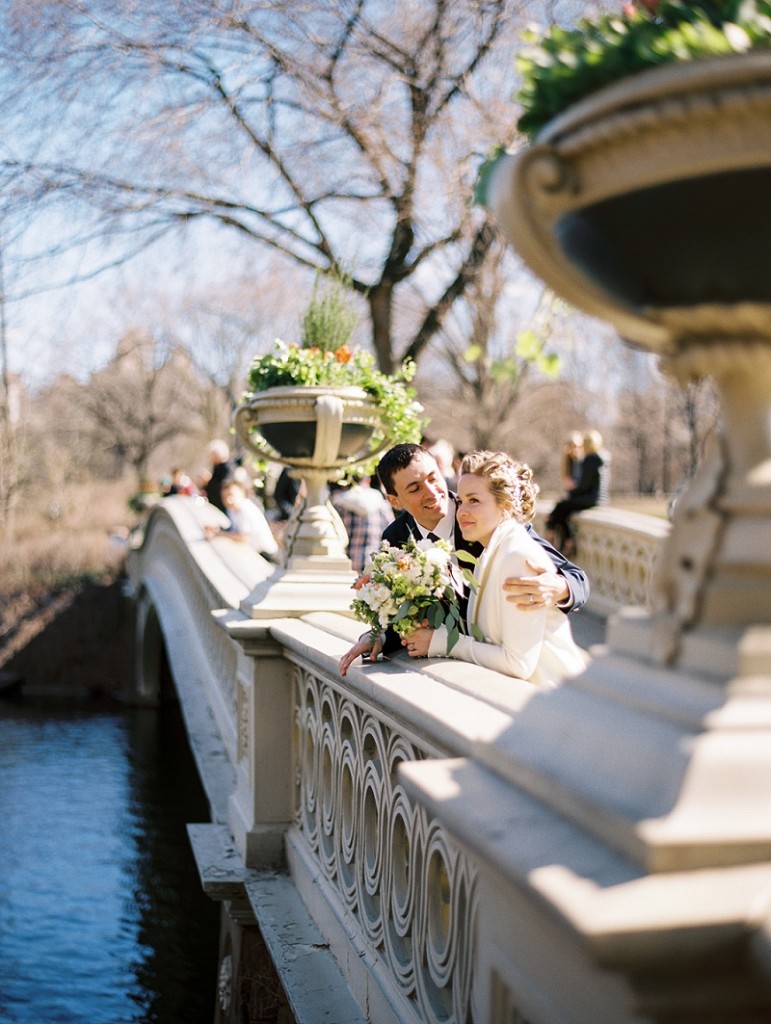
339 135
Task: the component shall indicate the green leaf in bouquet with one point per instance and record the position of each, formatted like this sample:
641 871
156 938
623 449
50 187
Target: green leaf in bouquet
435 616
465 556
404 611
453 635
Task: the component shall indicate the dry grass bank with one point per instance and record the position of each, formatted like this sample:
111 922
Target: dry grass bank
59 540
59 595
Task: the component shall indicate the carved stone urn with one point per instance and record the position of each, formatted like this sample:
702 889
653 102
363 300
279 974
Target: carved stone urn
649 206
320 433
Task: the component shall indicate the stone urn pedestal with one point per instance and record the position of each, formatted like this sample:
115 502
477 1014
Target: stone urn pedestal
320 433
628 812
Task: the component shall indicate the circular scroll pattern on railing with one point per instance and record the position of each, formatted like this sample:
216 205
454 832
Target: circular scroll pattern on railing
405 865
396 871
329 796
347 824
443 973
306 716
374 812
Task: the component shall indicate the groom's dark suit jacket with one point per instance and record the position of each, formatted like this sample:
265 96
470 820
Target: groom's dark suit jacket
404 527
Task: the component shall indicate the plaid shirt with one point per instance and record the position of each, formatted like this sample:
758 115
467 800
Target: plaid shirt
364 532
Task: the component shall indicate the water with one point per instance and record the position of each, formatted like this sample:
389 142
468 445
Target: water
102 917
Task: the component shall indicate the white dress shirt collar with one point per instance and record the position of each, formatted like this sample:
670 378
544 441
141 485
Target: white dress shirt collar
444 529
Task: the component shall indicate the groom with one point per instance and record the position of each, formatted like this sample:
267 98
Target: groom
414 486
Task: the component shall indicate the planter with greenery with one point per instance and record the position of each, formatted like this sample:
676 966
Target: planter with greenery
323 409
565 65
279 415
642 196
378 407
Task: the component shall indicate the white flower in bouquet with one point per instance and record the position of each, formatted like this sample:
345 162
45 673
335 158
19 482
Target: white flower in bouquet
405 587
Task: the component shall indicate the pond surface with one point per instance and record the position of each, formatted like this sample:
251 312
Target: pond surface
102 917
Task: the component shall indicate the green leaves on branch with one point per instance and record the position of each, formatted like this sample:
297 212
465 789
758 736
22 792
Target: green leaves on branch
528 350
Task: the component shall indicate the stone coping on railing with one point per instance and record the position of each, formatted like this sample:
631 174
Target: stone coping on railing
453 701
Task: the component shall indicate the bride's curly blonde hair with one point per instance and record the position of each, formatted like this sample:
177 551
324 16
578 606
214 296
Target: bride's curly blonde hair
511 482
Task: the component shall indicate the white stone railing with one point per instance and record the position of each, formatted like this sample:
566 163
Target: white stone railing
178 579
618 551
303 768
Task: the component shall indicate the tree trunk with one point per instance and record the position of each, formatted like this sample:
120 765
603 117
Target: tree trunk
380 299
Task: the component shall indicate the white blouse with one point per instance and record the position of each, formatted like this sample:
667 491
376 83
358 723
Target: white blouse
536 645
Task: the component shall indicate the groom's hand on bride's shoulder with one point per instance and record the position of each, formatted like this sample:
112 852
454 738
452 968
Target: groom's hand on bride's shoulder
540 590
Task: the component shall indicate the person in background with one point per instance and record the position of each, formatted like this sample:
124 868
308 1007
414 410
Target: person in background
285 494
201 477
444 453
365 514
241 476
247 521
591 490
416 489
181 483
572 457
496 499
219 460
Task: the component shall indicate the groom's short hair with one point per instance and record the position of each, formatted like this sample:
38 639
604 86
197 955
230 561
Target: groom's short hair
396 458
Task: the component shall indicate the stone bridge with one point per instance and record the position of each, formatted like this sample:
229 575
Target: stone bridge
434 842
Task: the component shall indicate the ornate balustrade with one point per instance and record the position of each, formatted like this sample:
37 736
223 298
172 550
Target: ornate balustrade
382 873
618 550
374 815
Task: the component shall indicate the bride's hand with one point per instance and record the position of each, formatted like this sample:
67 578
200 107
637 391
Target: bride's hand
417 643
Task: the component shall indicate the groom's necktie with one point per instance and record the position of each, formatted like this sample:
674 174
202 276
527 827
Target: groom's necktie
432 537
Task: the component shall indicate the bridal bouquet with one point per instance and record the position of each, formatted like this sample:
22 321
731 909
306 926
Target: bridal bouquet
405 587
